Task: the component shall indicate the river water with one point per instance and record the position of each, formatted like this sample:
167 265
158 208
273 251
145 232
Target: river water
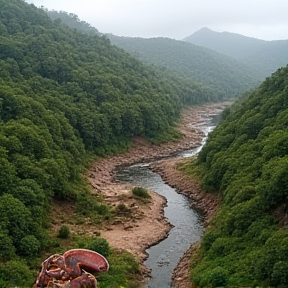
187 223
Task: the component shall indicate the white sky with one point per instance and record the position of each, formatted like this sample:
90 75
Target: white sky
177 19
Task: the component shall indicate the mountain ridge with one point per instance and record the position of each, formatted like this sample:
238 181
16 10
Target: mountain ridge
198 63
216 71
210 31
265 56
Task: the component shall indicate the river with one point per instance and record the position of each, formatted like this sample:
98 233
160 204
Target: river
187 223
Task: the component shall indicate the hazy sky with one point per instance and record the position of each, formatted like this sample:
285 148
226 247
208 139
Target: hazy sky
263 19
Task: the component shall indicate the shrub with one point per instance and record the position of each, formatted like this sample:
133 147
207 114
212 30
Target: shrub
141 192
89 205
218 277
29 246
123 272
208 239
99 245
7 250
279 273
122 209
64 232
15 274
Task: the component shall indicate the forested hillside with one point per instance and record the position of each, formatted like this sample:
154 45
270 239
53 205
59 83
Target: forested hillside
72 21
65 96
265 56
216 72
246 161
222 73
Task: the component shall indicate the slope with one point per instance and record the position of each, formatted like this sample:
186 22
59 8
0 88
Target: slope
223 78
64 97
246 160
191 61
265 56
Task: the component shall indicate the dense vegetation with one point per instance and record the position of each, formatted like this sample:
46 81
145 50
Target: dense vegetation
220 72
72 21
216 72
246 160
179 72
65 96
264 56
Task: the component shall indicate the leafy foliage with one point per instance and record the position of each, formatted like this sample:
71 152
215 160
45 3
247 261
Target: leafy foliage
64 232
245 159
223 74
141 192
65 96
123 271
99 245
15 273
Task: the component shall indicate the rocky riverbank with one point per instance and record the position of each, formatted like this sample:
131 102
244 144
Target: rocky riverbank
207 203
146 224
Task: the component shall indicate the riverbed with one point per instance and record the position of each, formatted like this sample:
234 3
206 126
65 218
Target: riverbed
187 222
128 233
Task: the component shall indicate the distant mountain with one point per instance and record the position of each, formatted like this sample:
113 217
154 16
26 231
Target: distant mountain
265 56
234 45
65 96
219 71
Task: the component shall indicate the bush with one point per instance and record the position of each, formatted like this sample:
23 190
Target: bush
218 277
15 273
279 273
89 205
29 246
123 272
123 209
64 232
7 250
141 192
99 245
208 239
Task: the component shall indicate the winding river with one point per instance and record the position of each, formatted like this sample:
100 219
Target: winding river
187 223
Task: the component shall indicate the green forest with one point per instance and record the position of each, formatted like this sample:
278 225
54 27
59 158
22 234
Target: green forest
219 71
245 161
67 96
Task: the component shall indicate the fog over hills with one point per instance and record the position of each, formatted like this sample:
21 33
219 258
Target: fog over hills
217 72
204 65
265 56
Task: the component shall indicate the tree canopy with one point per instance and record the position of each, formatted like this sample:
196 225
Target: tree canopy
216 72
219 72
66 95
246 160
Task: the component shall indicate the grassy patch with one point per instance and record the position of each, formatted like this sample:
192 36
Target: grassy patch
141 192
190 168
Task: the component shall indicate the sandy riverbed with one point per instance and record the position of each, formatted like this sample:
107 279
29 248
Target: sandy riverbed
148 226
144 224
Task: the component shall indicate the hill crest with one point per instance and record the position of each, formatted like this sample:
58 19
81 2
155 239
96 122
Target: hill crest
264 56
